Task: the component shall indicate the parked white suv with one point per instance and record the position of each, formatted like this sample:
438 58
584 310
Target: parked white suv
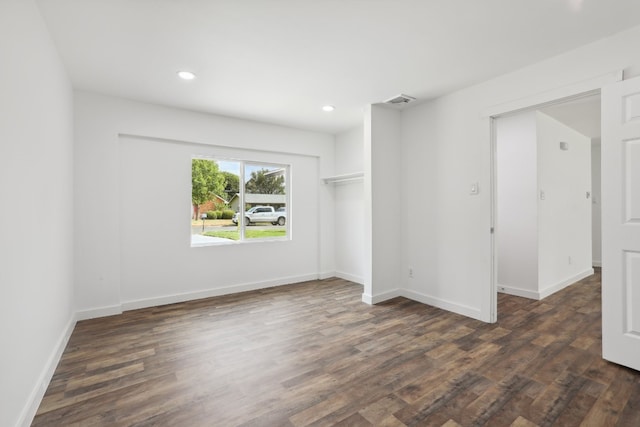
263 214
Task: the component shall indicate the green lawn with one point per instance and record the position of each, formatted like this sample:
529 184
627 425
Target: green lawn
248 234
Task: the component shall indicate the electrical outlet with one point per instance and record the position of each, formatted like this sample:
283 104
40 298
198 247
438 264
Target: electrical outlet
411 272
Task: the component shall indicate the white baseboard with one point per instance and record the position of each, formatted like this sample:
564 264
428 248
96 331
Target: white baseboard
93 313
376 299
549 290
326 275
596 263
37 393
188 296
425 299
512 290
564 283
350 277
442 303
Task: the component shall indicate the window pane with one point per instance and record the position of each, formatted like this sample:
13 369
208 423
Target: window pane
215 188
265 197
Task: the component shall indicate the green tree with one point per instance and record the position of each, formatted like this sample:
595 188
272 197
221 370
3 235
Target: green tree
206 181
231 185
265 182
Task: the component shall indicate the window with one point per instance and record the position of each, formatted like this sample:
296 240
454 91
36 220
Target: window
227 209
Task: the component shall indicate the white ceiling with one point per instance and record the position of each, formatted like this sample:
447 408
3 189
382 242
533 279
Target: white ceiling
280 61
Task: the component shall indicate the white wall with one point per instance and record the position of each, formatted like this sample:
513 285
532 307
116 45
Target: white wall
446 146
517 203
382 171
544 244
36 219
596 213
446 233
120 257
349 207
564 216
158 263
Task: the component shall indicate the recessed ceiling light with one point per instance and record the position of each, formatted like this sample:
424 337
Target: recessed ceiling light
328 108
186 75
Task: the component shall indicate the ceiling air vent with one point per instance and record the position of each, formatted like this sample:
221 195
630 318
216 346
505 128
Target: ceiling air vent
400 99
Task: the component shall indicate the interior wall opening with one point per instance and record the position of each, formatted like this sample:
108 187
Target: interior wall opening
547 196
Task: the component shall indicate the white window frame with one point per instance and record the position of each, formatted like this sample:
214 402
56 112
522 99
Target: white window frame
242 200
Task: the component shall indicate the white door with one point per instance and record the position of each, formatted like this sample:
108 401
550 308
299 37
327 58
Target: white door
621 223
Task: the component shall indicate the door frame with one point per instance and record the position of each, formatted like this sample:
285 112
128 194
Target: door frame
558 95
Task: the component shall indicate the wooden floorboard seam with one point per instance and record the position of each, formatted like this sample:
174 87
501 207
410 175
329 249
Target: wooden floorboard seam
312 354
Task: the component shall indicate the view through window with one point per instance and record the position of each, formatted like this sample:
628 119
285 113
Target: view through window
226 208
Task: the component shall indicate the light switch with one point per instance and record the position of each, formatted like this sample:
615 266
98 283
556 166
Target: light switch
474 189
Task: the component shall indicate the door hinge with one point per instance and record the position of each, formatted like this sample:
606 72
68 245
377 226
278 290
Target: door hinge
491 230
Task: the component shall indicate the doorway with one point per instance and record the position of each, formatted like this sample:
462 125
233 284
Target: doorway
546 171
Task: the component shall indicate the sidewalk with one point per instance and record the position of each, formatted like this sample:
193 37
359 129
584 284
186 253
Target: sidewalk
199 239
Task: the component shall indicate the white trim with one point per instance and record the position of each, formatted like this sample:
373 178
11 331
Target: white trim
548 97
493 215
376 299
463 310
519 292
563 284
326 275
424 299
350 277
549 290
189 296
93 313
554 95
37 393
597 263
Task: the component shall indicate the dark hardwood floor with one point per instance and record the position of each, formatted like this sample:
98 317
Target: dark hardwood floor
314 354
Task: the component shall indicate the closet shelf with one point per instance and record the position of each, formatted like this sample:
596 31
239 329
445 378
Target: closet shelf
356 176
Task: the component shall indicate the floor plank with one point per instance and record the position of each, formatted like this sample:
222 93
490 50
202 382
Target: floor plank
312 354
